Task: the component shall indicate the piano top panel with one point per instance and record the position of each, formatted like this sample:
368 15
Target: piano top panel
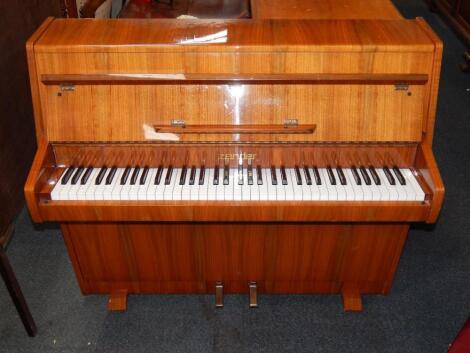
140 35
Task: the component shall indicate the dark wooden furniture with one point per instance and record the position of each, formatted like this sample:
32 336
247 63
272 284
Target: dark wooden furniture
16 294
357 92
17 139
457 13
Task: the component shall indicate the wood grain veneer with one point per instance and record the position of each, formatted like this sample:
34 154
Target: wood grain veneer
363 92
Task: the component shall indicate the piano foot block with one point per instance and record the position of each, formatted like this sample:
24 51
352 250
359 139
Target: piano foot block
253 295
118 301
352 300
219 295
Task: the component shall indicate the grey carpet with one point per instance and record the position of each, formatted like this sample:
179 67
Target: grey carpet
429 301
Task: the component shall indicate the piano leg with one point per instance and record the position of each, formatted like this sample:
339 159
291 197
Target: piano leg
352 300
118 301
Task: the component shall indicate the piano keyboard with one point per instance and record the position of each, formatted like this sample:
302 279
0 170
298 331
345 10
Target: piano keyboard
238 184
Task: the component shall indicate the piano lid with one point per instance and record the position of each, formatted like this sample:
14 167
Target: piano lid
140 35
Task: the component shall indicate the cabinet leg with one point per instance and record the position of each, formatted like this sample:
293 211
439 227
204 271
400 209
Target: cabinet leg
118 301
352 300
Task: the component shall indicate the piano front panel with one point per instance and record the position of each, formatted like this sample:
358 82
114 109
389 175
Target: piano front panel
190 258
357 112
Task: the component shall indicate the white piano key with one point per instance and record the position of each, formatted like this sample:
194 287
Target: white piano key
293 191
382 188
211 188
144 189
194 189
420 194
306 189
392 191
186 188
116 190
340 189
134 189
204 188
246 189
125 189
413 185
331 189
220 190
160 188
177 188
255 188
237 188
228 189
280 189
82 192
57 190
322 188
354 192
264 190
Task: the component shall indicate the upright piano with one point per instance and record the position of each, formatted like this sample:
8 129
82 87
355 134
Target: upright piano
266 155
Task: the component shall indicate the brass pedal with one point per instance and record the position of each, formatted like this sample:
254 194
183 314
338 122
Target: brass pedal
219 295
253 295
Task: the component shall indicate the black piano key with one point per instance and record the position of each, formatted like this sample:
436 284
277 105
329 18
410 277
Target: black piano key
158 176
100 176
316 174
331 175
249 173
135 175
357 178
389 175
308 178
259 175
125 175
67 175
76 176
298 177
240 174
143 176
400 177
365 176
184 171
375 176
283 175
216 175
226 175
342 178
169 173
110 177
192 175
86 176
273 176
202 174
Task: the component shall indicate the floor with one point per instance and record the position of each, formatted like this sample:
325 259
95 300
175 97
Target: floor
429 301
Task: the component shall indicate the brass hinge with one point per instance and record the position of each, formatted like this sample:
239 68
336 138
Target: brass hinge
401 86
178 123
291 123
66 87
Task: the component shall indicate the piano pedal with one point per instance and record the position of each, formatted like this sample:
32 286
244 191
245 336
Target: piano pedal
253 295
219 295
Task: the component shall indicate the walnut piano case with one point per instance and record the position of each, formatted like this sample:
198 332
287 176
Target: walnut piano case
234 94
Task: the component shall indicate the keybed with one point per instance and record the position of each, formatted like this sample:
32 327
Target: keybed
252 183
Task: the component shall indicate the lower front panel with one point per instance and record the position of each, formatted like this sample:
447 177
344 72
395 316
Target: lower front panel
192 257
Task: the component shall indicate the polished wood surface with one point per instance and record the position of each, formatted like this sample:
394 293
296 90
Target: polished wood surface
324 9
192 257
337 92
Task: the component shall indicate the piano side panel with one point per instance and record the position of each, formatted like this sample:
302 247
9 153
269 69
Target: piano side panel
190 258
